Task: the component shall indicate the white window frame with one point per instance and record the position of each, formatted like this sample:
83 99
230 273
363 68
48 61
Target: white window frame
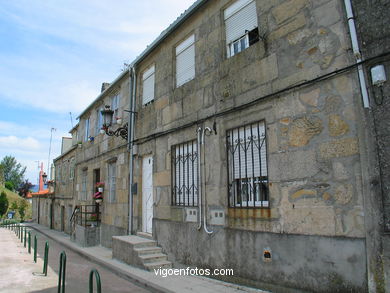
185 61
111 175
237 30
115 105
86 130
148 84
99 121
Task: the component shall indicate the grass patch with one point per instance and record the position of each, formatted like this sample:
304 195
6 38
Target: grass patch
12 197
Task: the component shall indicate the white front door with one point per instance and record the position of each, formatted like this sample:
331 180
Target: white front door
147 194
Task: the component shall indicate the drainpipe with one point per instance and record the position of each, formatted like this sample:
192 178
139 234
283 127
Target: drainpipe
356 52
205 202
199 131
132 92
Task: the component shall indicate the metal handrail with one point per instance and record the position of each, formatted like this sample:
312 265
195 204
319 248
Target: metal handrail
98 282
61 273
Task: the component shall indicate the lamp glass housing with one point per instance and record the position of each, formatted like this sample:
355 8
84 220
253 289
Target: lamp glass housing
378 75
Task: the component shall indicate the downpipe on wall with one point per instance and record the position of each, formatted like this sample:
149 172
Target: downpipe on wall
356 52
199 133
201 160
132 91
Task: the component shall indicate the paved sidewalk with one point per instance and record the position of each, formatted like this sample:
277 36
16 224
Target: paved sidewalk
18 272
103 257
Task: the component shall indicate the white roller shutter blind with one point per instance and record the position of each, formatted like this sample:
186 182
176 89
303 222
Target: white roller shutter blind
239 18
249 153
185 61
148 86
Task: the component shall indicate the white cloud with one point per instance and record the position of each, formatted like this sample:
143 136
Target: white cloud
21 144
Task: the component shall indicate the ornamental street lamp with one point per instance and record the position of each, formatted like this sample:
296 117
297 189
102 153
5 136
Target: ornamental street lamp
44 178
108 114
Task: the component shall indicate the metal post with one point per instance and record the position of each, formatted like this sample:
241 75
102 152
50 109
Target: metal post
25 236
46 258
61 273
21 234
35 248
98 282
29 242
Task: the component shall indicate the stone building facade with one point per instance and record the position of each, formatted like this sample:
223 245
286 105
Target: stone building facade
250 148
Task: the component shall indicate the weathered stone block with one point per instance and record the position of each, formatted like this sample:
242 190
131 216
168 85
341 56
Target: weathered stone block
337 126
303 129
339 171
339 148
288 9
298 36
162 178
327 14
343 194
310 98
303 193
292 165
298 22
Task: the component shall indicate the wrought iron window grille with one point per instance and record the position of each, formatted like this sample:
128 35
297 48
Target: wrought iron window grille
185 179
247 166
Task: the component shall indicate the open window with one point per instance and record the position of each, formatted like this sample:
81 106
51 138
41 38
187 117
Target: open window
241 26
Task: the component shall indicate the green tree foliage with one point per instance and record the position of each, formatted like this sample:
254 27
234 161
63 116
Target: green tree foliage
22 209
9 185
14 206
13 171
3 203
1 174
24 188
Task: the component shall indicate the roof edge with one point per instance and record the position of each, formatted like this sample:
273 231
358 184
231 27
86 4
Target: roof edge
182 18
114 83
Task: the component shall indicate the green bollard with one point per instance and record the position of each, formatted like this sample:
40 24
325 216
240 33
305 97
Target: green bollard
61 273
98 283
35 248
25 236
29 242
46 258
21 234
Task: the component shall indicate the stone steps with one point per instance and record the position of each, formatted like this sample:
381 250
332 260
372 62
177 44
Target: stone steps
139 251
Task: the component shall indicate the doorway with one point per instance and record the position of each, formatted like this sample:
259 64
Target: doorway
147 194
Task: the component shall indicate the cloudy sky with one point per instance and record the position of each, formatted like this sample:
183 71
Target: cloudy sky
54 55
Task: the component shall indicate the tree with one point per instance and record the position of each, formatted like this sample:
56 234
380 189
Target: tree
14 206
1 175
22 209
3 203
9 185
13 171
24 188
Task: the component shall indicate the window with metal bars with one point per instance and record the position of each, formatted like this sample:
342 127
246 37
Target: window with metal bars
185 179
247 166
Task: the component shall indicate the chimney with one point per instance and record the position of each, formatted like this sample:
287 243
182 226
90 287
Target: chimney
105 85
